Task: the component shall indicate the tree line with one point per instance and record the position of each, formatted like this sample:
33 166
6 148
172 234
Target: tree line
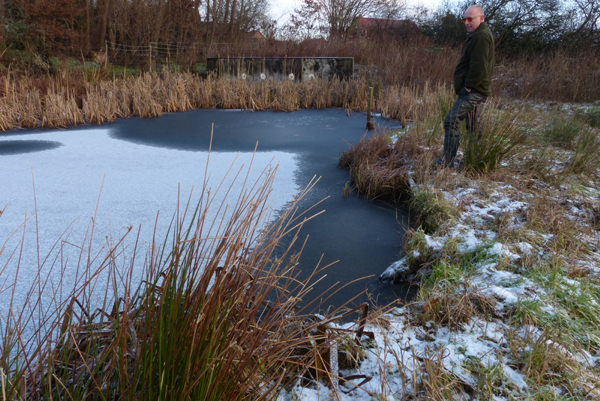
78 27
524 27
87 25
520 26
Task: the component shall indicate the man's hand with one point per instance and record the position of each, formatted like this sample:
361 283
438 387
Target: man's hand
467 89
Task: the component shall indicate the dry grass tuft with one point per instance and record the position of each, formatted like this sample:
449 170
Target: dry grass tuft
544 360
430 209
437 382
585 158
455 308
378 169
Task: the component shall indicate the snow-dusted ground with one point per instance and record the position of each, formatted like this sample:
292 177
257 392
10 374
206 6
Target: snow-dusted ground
116 184
409 347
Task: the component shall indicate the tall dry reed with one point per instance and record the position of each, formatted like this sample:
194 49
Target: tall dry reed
402 75
561 76
214 318
149 95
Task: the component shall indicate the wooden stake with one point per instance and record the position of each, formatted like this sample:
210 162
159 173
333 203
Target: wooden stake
370 124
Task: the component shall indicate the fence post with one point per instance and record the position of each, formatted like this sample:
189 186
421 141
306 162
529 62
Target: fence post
150 58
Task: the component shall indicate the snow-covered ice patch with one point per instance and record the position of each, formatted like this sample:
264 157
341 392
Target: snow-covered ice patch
117 185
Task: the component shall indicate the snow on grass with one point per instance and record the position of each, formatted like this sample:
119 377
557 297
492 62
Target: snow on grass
541 336
508 269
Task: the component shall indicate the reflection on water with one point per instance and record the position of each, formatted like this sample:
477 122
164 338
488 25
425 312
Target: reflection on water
15 147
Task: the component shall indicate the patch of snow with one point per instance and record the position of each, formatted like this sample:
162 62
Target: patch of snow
503 251
470 239
395 270
507 296
515 377
525 248
437 244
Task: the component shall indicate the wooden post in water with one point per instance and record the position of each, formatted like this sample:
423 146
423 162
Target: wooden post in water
370 124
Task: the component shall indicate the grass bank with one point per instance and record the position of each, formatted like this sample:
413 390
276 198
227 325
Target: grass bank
505 253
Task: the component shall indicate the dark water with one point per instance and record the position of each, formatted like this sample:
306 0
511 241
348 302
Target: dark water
363 236
19 146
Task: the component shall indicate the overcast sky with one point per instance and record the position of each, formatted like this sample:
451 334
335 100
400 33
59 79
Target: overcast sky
282 8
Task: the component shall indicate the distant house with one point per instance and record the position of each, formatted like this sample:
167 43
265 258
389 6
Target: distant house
255 35
379 28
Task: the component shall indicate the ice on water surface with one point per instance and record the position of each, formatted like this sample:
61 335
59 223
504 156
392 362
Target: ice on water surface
54 195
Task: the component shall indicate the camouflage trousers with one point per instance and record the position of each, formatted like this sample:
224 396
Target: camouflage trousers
467 107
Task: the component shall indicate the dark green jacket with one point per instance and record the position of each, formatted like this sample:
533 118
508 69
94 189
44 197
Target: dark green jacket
476 65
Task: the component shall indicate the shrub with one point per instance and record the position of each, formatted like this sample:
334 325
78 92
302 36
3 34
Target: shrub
91 65
55 62
586 154
501 137
73 64
29 60
561 132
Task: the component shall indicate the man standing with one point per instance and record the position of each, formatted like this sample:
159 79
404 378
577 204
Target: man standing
472 81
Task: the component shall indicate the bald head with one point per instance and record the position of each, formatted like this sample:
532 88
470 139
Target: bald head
473 18
477 9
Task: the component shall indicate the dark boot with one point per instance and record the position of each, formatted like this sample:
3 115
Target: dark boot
451 142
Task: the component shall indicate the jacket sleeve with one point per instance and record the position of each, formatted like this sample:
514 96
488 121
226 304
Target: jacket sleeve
480 56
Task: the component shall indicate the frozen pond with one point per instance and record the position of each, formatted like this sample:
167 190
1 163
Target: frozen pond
132 172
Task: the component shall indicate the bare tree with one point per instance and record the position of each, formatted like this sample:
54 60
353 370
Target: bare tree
589 16
335 18
531 24
228 18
